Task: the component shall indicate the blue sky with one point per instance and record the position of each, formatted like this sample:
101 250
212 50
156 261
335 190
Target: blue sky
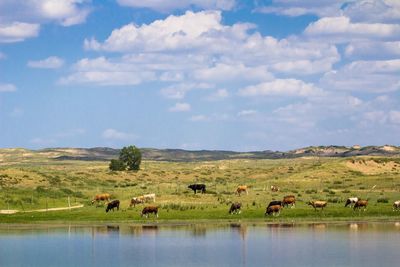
199 74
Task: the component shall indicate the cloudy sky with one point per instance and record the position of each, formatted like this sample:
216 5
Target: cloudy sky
199 74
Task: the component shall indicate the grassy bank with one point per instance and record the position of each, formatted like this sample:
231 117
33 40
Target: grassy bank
40 183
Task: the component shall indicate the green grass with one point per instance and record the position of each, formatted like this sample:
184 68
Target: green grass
37 183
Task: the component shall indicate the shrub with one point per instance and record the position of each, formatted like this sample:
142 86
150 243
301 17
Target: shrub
382 200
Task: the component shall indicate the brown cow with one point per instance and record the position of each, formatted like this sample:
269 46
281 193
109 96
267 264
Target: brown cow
149 209
136 200
396 205
242 188
318 204
274 188
275 210
361 204
101 197
289 200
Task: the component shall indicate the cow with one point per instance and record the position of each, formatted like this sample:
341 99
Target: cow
101 197
275 202
150 197
149 209
274 188
200 187
289 200
318 204
113 204
396 205
235 208
361 204
136 200
351 201
275 210
242 188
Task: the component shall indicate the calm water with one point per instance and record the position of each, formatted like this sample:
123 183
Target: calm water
201 245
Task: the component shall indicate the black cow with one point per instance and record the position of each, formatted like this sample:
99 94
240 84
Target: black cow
235 208
113 204
274 203
200 187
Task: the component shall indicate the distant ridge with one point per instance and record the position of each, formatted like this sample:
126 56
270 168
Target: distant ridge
180 155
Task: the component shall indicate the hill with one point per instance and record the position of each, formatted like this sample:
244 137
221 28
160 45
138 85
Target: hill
179 155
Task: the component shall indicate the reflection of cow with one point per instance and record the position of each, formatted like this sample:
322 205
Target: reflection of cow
396 205
289 200
242 188
274 188
318 204
351 201
113 204
198 187
149 209
361 204
275 210
101 197
235 208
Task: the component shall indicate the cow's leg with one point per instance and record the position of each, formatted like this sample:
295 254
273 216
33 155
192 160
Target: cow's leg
157 214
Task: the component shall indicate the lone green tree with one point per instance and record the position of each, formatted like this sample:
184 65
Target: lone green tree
131 157
117 165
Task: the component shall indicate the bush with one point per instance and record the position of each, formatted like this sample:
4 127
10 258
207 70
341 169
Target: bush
117 165
382 200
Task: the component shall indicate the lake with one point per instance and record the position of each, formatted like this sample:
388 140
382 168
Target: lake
356 244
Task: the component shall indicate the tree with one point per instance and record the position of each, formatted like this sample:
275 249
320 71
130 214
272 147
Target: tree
117 165
131 157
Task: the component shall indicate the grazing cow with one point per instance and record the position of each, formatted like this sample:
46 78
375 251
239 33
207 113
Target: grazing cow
235 208
361 204
242 188
136 200
101 197
113 204
149 209
351 201
275 210
274 188
289 200
150 197
396 205
318 204
275 202
200 187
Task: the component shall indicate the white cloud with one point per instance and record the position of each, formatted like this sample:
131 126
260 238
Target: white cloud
199 118
247 112
281 87
165 6
394 116
365 76
341 29
112 134
373 49
178 91
17 31
101 71
180 107
387 11
48 63
218 95
7 87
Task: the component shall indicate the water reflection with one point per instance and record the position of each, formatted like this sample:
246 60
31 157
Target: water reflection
236 244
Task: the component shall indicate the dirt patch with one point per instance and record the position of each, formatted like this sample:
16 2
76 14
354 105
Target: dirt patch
40 210
372 167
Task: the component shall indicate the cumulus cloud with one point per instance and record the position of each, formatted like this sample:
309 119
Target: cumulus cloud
21 19
178 91
165 6
341 29
180 107
48 63
281 87
373 50
17 31
113 134
365 76
219 94
7 87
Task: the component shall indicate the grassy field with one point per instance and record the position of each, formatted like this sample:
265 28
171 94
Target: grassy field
39 183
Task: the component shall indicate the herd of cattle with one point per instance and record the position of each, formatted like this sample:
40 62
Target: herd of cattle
274 207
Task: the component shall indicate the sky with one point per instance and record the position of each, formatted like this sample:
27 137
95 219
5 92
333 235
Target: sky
199 74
